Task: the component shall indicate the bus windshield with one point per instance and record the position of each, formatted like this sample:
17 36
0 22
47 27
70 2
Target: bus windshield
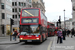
29 30
30 12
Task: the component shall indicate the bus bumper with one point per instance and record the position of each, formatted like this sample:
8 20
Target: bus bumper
29 40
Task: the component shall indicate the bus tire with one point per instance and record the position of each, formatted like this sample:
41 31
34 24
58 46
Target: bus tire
46 38
42 39
20 41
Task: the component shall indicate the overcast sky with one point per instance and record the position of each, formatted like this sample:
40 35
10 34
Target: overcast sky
54 9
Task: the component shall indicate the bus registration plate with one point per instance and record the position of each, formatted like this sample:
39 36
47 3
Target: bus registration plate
29 40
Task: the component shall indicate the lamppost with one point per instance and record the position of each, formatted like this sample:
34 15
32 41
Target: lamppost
64 19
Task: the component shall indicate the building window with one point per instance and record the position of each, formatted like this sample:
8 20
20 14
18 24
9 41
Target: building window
19 4
15 16
2 5
3 29
12 16
15 3
19 9
12 3
30 6
3 16
15 9
24 4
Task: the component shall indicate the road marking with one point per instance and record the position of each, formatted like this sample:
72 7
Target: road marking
49 45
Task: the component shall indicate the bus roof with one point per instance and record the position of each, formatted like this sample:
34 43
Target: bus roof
50 22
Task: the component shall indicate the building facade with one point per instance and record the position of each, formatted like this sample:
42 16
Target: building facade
68 24
62 24
73 13
17 5
0 19
39 4
5 15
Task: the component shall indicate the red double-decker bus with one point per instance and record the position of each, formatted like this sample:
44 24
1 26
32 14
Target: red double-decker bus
50 29
33 25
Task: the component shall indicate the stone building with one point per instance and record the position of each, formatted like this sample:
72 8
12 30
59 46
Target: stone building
73 13
39 4
5 15
68 24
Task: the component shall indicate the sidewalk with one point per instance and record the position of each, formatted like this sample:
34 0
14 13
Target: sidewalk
68 44
4 37
6 40
9 42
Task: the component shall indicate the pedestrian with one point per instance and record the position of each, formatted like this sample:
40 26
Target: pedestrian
64 34
14 34
59 36
72 32
68 32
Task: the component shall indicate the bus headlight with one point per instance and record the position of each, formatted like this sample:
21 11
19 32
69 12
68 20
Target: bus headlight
37 38
21 38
